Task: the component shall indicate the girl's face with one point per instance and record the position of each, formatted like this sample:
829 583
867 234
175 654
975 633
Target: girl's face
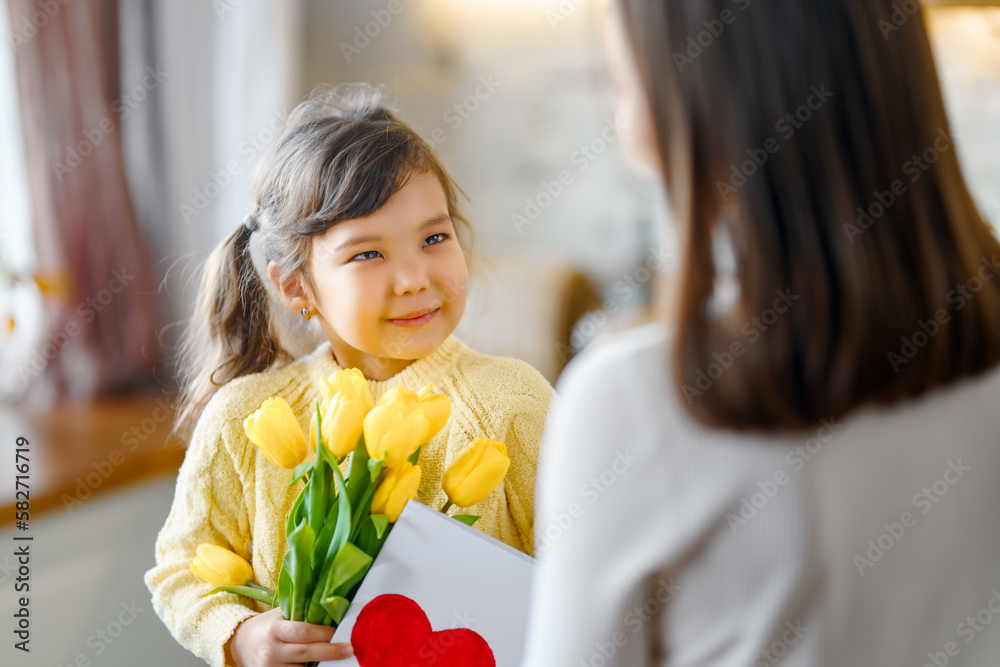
392 286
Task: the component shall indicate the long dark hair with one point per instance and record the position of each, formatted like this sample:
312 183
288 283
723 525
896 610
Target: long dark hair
813 135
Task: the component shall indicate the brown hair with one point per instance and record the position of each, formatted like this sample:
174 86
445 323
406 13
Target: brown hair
814 136
342 155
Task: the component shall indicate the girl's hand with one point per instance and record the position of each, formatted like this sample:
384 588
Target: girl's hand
268 640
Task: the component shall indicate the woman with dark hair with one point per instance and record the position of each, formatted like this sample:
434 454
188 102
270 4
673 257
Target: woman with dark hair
802 473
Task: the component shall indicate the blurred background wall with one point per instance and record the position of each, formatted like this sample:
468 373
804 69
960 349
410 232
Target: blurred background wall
512 93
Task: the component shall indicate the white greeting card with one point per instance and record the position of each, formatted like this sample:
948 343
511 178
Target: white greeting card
474 591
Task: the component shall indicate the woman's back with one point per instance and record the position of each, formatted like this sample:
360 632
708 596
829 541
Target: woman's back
910 522
732 549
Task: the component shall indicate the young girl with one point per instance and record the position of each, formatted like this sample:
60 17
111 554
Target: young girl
354 227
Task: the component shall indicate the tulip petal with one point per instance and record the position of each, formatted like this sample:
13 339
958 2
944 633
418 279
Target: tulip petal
350 382
436 409
219 566
397 487
343 425
475 472
394 430
276 431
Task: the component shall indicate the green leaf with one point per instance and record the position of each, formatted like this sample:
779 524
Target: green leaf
422 494
325 535
415 456
349 567
341 532
319 430
246 591
317 593
362 510
381 523
358 480
254 584
299 559
296 513
300 470
337 607
375 468
319 482
343 529
315 612
284 591
317 500
367 540
467 519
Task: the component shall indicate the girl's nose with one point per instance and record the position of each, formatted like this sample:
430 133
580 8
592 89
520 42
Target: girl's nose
411 277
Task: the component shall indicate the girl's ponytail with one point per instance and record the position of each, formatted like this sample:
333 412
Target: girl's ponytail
236 329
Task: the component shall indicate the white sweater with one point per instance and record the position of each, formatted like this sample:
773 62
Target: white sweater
874 542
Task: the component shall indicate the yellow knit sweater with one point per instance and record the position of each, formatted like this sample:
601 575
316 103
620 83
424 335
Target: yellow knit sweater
228 493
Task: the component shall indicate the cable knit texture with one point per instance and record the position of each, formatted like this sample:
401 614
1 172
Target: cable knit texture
229 493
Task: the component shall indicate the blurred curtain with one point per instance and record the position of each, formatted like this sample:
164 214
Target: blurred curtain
230 71
101 338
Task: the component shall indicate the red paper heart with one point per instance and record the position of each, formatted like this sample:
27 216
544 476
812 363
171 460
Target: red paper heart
393 631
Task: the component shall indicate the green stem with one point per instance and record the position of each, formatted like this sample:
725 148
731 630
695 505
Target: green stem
447 506
337 541
360 513
255 585
245 591
318 497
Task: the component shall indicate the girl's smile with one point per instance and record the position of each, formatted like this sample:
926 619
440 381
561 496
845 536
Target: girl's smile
416 319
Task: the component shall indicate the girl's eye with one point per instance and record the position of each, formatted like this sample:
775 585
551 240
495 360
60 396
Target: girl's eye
373 254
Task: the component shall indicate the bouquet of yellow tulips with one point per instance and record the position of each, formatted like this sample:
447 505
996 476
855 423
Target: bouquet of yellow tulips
337 526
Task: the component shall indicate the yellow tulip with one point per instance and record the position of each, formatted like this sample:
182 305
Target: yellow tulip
400 396
437 409
220 567
342 423
350 382
398 486
276 431
475 472
395 428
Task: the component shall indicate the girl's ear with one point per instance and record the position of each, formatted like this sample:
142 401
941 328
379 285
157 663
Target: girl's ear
291 291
